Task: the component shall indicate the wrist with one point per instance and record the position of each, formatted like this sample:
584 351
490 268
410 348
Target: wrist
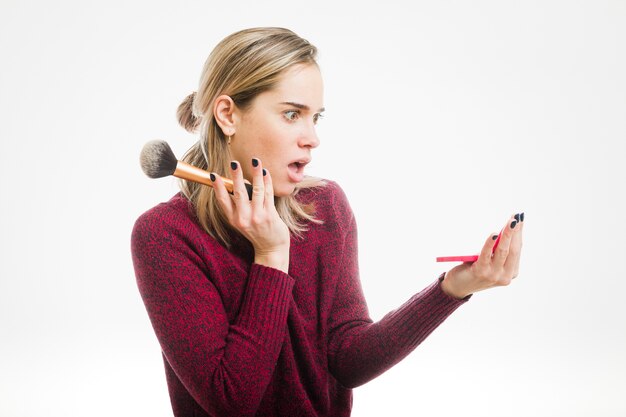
273 259
448 286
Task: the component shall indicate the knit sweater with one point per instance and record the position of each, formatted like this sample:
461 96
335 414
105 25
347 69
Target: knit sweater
242 339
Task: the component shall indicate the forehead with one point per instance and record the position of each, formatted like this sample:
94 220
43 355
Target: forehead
299 84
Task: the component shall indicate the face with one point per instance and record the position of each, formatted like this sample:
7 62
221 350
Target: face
279 128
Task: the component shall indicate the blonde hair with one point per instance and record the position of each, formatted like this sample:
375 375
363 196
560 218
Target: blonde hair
242 66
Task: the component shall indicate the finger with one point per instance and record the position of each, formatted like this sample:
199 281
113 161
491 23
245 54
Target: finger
222 195
511 265
258 184
502 251
269 189
241 211
240 195
487 250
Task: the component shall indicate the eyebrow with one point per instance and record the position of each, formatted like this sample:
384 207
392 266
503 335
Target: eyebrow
301 106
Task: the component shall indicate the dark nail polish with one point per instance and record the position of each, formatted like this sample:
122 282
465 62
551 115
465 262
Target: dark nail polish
494 237
264 172
517 217
513 224
255 162
521 217
233 165
212 175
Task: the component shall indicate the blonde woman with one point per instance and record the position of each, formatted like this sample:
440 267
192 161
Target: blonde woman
256 302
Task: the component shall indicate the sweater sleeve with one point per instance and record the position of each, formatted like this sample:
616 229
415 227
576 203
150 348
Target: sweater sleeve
226 367
360 350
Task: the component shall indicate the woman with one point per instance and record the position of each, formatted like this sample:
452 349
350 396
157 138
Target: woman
257 302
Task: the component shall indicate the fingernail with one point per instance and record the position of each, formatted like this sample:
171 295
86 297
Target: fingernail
494 237
255 162
212 175
521 217
233 165
517 217
513 224
264 172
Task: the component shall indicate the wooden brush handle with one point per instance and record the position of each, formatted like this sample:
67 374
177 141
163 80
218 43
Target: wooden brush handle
191 173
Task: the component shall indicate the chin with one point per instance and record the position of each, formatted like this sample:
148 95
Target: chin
284 190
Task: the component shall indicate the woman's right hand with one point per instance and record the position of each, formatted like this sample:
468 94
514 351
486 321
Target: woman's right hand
256 219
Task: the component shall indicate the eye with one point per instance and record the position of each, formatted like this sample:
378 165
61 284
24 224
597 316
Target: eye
291 115
317 117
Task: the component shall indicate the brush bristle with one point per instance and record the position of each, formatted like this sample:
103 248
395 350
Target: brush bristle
157 159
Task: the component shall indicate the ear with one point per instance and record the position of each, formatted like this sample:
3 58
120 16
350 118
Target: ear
223 111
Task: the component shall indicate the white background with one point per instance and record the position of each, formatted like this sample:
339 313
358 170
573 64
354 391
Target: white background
443 118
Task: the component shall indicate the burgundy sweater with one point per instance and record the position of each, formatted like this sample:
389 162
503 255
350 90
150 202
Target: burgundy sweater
241 339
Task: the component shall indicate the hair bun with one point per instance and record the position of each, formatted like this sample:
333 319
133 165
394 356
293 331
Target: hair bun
185 115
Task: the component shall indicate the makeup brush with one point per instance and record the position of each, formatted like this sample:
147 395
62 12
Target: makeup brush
157 160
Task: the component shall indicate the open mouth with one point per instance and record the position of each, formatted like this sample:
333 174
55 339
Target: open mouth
296 170
298 165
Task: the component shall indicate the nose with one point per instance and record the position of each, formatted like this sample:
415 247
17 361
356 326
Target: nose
309 138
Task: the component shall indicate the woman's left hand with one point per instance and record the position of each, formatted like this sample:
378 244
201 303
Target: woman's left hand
491 269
